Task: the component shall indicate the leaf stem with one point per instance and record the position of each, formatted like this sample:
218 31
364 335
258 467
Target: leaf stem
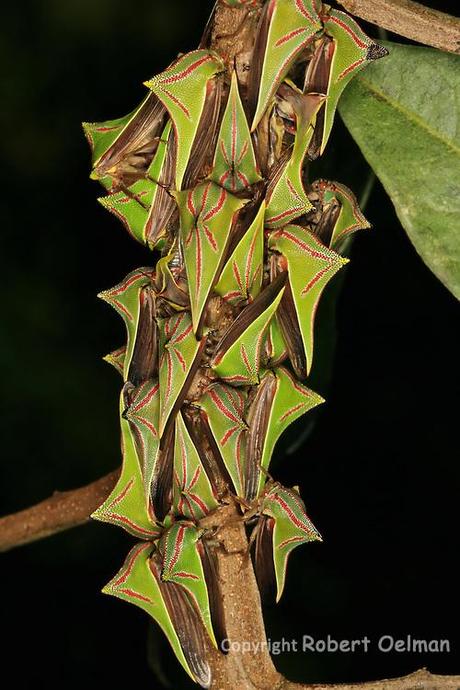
410 19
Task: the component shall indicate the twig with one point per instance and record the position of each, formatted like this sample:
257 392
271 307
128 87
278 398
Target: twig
420 680
410 19
63 510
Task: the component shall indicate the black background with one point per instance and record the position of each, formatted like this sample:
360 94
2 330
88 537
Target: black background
378 472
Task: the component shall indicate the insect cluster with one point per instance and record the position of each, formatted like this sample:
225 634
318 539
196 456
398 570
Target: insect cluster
212 172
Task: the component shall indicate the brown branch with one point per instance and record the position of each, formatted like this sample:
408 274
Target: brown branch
243 613
63 510
410 19
420 680
254 670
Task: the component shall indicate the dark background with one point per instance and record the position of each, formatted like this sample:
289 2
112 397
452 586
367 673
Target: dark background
378 472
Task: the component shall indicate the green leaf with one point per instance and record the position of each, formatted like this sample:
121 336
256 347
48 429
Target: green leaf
403 113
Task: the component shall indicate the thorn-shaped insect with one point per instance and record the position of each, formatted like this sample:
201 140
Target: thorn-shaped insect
343 51
285 30
310 266
184 89
211 171
282 525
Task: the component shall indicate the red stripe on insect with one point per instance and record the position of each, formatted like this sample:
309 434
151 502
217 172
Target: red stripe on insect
294 211
129 281
236 379
245 358
292 540
287 37
107 129
130 564
224 152
303 245
299 388
177 547
243 152
168 376
232 295
145 401
199 263
126 521
188 70
222 407
210 238
242 178
136 595
121 496
349 229
223 179
350 68
184 334
191 205
300 7
234 131
149 425
215 210
201 504
291 411
344 25
228 434
181 359
186 576
179 103
172 332
287 509
183 452
315 279
293 190
195 478
236 273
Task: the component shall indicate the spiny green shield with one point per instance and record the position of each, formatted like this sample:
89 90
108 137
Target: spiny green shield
179 356
128 505
286 196
235 166
310 266
193 494
181 564
287 28
289 526
146 208
279 401
341 214
224 408
182 88
238 355
207 215
139 582
241 277
350 51
125 298
142 411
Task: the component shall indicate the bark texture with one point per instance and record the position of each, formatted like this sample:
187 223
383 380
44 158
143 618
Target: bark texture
410 19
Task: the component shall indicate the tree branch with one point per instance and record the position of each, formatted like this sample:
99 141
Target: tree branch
410 19
420 680
243 613
63 510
